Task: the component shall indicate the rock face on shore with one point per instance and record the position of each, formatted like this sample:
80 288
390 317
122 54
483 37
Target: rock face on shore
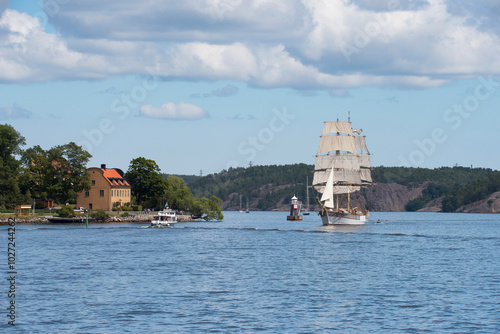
389 196
377 197
488 205
433 206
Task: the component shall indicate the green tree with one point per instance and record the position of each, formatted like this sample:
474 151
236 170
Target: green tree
207 208
35 176
177 194
180 197
145 179
59 173
11 142
99 215
66 211
69 171
149 187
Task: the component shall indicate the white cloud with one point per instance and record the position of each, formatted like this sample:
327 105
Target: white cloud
269 66
182 110
222 21
383 5
202 60
427 41
308 44
14 112
29 54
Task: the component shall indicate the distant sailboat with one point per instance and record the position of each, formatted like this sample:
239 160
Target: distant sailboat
248 210
241 210
342 168
306 212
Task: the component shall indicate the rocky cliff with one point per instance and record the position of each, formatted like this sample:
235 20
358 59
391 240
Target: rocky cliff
488 205
389 196
378 197
271 187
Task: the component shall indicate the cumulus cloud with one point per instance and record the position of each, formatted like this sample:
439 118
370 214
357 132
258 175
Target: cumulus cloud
387 4
29 54
426 42
15 112
221 21
307 45
179 111
482 14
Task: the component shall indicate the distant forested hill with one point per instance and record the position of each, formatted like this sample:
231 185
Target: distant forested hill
187 178
443 183
263 187
394 189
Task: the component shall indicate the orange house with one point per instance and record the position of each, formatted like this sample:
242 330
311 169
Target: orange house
108 186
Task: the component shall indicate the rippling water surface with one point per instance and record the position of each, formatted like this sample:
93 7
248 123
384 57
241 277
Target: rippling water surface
256 272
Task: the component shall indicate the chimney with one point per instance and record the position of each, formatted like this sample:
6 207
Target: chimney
103 166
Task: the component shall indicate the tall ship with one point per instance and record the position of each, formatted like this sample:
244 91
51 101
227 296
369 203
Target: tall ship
342 168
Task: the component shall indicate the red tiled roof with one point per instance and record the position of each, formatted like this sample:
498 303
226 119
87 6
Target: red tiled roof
111 173
114 178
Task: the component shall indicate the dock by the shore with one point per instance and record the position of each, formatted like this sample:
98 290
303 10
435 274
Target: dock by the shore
135 217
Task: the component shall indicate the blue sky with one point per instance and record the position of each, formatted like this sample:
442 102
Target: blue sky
210 84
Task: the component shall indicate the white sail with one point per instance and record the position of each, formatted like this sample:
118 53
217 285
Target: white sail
320 178
340 178
361 143
327 197
347 161
337 143
345 167
347 177
342 167
338 190
364 160
337 127
366 175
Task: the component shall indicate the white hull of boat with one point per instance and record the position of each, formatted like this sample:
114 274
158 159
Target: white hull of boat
163 224
341 218
165 218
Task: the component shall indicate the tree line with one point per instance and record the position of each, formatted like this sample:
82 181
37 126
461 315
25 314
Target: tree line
471 192
278 183
150 188
272 185
57 174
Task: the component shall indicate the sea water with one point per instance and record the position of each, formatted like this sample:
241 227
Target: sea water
258 272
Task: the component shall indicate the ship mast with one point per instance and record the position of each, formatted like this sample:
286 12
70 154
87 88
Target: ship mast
342 164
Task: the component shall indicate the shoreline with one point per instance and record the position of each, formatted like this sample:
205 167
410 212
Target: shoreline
137 219
146 218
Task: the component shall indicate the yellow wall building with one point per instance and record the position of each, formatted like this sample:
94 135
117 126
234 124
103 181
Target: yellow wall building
108 186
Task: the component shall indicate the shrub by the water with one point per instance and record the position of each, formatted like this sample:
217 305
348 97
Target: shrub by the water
99 214
66 211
